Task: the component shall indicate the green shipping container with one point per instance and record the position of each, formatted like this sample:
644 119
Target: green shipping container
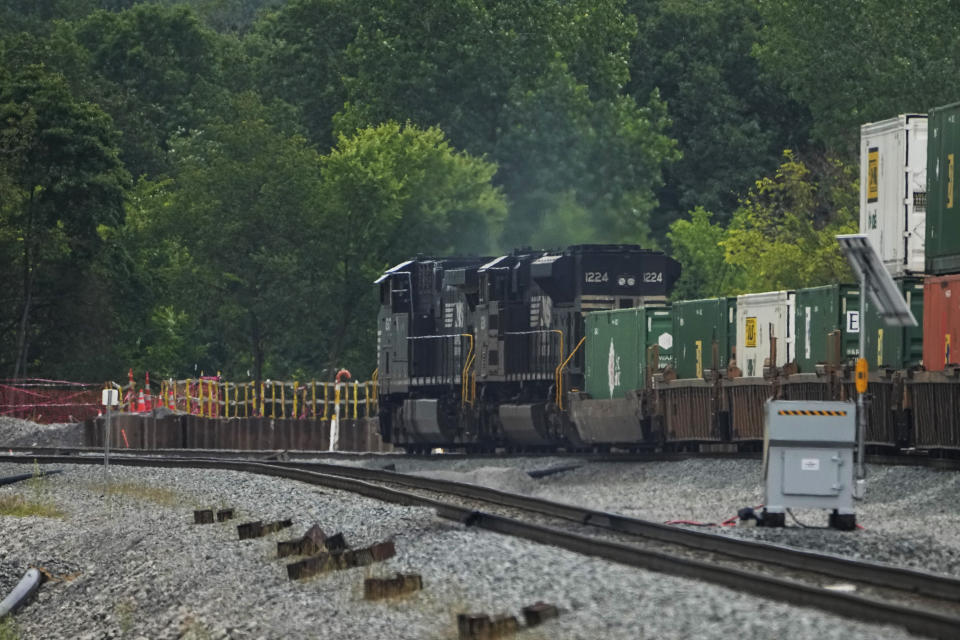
616 348
697 324
942 243
821 311
897 347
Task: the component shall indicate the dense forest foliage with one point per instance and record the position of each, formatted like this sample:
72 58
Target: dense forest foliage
213 185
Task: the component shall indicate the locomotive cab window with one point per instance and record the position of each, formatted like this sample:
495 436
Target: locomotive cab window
400 297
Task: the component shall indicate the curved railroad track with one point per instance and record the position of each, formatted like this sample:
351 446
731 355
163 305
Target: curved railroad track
919 459
924 603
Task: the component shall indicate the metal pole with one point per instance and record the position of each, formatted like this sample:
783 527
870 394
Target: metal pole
861 405
335 420
106 445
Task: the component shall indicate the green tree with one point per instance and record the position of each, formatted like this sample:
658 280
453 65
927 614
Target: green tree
535 86
390 192
37 16
730 118
857 62
783 234
61 181
299 56
698 244
153 329
243 219
163 73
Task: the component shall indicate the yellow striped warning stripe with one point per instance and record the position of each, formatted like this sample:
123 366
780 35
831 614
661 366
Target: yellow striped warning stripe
789 412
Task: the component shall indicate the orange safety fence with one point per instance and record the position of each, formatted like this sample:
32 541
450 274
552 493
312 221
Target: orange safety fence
53 401
49 401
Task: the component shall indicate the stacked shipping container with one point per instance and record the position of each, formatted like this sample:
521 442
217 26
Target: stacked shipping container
911 216
894 215
821 311
893 167
941 324
765 323
698 325
620 348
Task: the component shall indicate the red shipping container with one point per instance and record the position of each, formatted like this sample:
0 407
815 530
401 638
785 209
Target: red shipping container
941 321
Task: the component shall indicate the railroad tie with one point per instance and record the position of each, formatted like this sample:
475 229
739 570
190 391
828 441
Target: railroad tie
480 626
539 613
258 529
314 541
401 584
205 516
341 559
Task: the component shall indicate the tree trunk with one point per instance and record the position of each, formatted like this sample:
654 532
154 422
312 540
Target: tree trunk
256 345
23 327
347 308
20 366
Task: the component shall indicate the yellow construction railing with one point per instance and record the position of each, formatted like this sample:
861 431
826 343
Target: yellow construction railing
215 397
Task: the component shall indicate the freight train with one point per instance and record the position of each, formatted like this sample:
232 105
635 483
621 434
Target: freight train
482 352
580 349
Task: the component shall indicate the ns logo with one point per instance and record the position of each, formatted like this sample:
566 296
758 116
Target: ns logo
613 369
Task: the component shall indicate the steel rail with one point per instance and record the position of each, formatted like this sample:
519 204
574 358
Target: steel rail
882 575
250 454
930 623
841 568
911 459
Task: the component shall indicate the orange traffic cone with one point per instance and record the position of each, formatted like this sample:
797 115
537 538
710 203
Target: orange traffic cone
149 402
141 403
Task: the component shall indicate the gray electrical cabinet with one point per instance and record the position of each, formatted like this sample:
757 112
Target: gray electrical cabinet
808 455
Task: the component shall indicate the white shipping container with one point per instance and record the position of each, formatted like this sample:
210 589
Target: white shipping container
893 191
761 316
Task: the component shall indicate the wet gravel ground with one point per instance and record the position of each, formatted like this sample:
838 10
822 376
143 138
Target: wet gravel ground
910 515
130 564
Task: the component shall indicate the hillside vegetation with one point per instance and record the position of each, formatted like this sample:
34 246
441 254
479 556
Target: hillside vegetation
214 185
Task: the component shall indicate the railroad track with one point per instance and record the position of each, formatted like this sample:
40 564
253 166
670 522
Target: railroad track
924 603
922 459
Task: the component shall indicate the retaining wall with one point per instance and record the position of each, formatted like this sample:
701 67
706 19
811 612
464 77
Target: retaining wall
180 431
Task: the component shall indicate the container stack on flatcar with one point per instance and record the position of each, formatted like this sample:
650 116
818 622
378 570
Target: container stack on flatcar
935 392
580 348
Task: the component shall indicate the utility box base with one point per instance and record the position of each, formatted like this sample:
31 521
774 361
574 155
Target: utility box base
808 458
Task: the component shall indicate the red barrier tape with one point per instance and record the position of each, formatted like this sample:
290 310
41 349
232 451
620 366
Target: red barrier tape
49 401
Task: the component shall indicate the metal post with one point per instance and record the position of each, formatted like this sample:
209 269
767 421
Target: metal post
106 445
335 420
861 404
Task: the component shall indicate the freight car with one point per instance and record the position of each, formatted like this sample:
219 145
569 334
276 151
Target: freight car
579 348
479 353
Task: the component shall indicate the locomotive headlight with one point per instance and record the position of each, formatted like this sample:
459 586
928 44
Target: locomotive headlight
631 281
622 281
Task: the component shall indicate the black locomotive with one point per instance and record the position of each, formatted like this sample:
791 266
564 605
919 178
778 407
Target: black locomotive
481 352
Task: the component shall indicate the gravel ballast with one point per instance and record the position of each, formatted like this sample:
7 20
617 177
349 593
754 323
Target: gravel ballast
910 515
135 566
15 432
